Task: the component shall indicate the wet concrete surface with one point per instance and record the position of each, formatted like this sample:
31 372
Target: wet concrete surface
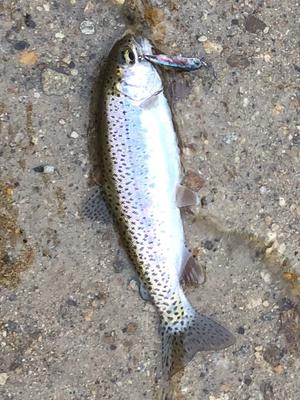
72 325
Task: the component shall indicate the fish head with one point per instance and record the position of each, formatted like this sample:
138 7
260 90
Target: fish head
130 74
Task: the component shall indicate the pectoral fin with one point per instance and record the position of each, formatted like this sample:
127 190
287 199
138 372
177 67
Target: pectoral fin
185 197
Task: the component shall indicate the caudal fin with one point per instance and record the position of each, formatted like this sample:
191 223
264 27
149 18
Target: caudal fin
181 342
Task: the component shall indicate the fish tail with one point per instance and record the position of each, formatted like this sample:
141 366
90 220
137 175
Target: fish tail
183 339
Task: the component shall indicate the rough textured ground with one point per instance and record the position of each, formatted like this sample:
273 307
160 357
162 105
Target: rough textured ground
72 325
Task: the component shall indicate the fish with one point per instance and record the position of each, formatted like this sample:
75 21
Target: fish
142 183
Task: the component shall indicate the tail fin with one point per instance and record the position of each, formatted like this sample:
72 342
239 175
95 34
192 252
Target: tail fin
181 342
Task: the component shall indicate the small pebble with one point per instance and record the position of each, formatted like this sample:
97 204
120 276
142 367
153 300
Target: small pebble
268 220
254 25
278 109
55 83
270 237
230 138
202 38
268 316
133 285
263 189
296 138
247 380
34 140
29 57
45 169
244 349
87 27
273 354
267 58
130 328
67 59
281 202
3 378
266 277
258 356
59 35
275 228
29 22
278 369
208 244
21 45
88 315
273 247
245 102
74 135
109 338
49 169
89 8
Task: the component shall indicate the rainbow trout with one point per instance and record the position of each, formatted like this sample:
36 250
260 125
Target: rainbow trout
142 184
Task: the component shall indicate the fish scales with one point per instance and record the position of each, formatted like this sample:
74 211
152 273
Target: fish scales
141 174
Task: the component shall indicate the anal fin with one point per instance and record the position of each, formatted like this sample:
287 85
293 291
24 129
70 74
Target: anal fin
191 272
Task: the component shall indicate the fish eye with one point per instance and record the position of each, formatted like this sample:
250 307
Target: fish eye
128 56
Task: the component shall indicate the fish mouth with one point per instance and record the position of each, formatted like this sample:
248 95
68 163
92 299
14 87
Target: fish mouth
142 46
